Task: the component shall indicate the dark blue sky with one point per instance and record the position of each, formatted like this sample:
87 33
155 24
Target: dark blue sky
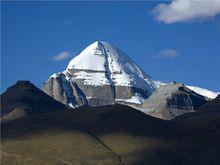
32 33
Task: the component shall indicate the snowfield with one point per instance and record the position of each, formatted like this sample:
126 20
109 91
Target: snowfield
103 64
204 92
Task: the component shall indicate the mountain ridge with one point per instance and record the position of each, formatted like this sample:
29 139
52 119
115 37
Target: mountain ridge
24 98
172 100
104 75
202 91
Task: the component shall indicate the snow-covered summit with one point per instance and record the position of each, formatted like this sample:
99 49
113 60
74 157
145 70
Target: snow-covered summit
103 64
100 75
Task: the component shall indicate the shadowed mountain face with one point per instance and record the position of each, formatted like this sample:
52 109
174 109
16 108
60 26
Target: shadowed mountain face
200 134
24 98
111 135
114 134
213 105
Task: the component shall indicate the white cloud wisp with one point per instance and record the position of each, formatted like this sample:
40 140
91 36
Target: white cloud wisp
168 53
186 10
61 56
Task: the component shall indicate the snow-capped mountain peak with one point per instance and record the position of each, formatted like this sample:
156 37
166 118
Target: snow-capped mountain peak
101 74
101 63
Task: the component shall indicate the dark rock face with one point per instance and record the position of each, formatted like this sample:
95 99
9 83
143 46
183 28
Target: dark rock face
172 100
185 99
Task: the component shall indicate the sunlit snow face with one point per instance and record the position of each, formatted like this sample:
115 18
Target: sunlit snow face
100 63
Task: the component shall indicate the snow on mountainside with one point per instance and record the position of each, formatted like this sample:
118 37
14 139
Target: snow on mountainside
101 63
204 92
103 75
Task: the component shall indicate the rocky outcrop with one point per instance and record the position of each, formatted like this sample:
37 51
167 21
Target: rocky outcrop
172 100
75 93
65 91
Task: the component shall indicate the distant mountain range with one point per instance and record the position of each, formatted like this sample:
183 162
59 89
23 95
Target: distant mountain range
104 75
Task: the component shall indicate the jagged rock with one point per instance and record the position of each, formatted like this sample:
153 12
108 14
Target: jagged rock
65 91
172 100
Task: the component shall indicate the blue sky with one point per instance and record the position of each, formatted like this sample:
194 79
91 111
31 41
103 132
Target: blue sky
33 33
